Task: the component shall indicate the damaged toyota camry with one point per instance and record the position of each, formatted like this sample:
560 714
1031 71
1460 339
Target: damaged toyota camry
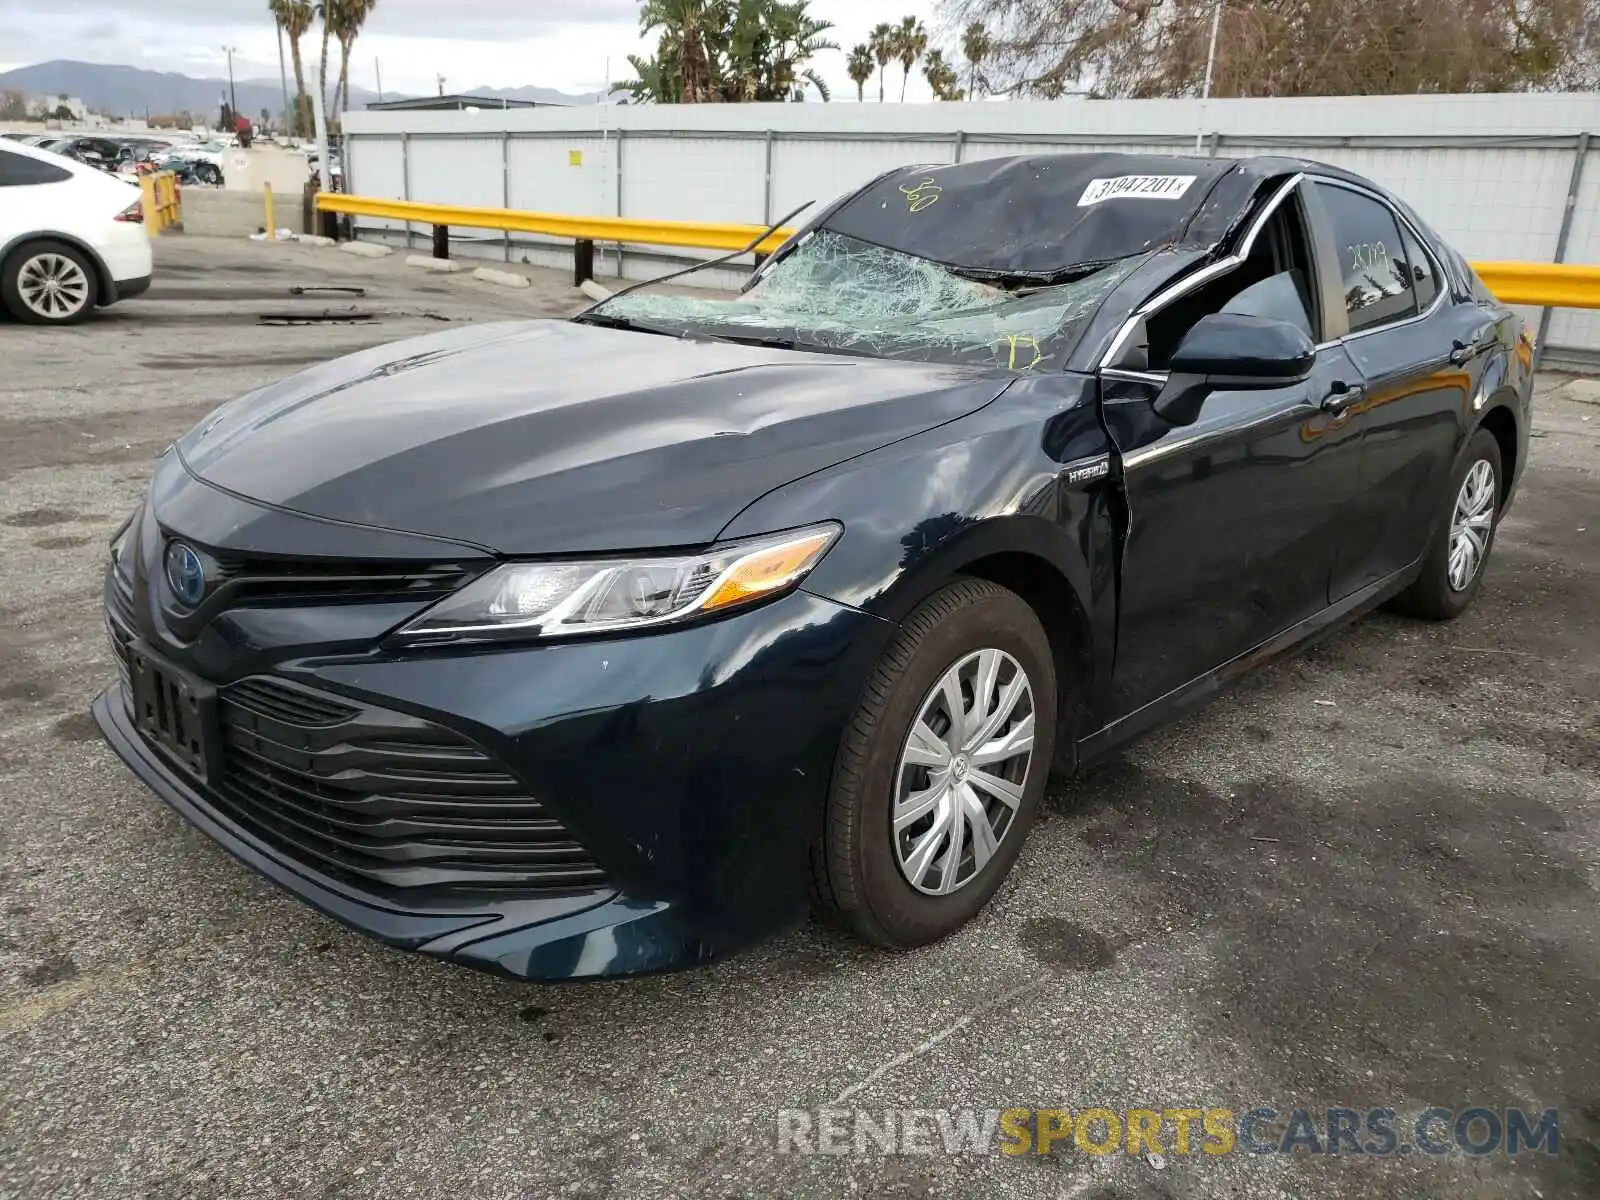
565 649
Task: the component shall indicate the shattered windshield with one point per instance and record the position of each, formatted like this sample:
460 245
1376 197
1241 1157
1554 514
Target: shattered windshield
833 292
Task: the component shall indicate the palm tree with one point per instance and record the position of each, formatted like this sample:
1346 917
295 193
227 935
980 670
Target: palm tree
686 26
860 68
346 17
882 45
975 46
294 18
941 76
910 40
654 81
322 7
792 38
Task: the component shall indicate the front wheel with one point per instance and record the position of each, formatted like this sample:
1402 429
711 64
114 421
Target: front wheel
941 769
1454 565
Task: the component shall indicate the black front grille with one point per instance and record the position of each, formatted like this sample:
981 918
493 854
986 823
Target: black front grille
383 798
262 581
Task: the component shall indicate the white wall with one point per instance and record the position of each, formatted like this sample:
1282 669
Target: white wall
1491 173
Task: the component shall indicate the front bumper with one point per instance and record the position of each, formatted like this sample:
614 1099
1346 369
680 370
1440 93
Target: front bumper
692 765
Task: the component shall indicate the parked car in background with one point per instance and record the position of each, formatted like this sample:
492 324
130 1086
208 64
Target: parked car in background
565 649
195 162
72 238
95 151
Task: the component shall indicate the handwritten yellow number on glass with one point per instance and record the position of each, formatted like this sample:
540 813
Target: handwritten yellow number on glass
1013 340
921 195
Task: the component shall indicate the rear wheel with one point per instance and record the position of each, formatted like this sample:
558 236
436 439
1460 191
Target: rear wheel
1455 562
47 283
941 770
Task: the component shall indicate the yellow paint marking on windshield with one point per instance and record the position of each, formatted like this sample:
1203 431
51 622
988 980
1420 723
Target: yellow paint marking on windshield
921 195
1013 340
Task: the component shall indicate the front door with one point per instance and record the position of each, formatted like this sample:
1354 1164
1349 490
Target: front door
1233 524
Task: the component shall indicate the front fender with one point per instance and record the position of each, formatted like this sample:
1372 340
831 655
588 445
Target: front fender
986 494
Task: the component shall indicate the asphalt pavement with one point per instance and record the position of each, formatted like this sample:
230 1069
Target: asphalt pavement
1367 877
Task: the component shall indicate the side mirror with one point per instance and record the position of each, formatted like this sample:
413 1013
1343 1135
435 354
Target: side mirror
1230 350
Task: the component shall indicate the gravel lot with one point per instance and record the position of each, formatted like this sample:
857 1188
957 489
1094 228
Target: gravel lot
1368 876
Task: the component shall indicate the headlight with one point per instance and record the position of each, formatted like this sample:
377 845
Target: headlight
563 599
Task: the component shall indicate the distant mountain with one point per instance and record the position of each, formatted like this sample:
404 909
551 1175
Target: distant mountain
131 91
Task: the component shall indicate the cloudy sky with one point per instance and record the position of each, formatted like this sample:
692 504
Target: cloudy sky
495 43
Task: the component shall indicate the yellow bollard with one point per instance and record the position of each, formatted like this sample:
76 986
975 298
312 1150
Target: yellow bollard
272 226
148 205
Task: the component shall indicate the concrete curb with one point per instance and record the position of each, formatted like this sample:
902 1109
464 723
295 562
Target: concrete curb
503 278
366 249
441 266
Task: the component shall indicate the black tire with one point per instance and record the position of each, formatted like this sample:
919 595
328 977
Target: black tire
209 174
11 282
858 881
1433 597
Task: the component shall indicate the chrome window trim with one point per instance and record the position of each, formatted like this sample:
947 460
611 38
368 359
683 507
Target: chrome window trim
1135 376
1221 267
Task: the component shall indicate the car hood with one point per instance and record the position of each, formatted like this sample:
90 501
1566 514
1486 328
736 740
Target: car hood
547 436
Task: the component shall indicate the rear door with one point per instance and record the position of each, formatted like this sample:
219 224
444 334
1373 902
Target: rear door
1416 351
31 193
1233 521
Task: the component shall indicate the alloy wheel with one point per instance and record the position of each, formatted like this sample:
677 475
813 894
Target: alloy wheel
53 286
963 771
1471 525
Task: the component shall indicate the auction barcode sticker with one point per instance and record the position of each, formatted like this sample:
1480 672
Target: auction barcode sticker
1136 187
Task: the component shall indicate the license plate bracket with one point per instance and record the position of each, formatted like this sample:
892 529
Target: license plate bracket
176 712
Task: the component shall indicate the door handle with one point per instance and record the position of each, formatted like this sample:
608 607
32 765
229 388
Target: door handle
1341 396
1461 353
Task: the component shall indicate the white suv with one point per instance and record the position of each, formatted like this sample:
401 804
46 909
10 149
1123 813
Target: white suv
71 237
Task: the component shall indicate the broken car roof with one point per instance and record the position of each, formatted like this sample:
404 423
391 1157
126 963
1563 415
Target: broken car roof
1048 215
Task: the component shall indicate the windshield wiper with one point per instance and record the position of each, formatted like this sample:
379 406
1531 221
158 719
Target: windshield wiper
701 266
776 341
609 321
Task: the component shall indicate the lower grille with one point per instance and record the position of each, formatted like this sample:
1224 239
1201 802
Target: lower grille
269 698
384 798
387 801
119 625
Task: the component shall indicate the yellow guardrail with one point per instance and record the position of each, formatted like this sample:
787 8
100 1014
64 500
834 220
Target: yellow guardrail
1547 285
161 201
700 234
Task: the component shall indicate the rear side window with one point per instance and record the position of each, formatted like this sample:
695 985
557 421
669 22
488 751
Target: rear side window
1372 260
1424 275
18 170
